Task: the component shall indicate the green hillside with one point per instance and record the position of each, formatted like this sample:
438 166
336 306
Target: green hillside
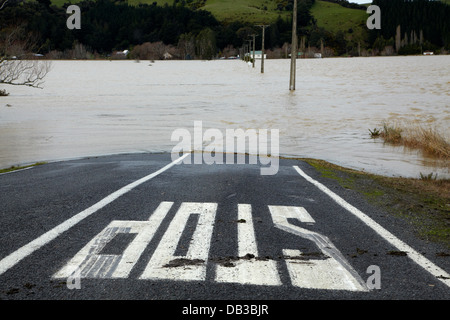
266 11
334 18
331 16
252 11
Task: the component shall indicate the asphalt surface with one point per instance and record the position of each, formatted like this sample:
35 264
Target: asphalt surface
38 200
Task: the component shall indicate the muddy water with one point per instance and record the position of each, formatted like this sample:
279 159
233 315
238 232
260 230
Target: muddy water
90 108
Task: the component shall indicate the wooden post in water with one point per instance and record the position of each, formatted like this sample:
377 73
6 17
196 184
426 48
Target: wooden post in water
254 40
264 26
294 51
249 49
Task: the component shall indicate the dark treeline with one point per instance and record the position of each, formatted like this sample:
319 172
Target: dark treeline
182 29
108 25
413 25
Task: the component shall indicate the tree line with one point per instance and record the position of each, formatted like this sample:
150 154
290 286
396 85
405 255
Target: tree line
184 30
109 25
412 26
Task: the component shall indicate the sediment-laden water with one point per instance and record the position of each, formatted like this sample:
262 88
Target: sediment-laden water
90 108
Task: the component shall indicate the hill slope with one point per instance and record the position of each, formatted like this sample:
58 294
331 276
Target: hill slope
334 18
329 15
252 11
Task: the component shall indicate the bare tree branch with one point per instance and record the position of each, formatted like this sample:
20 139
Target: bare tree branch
17 65
3 4
29 73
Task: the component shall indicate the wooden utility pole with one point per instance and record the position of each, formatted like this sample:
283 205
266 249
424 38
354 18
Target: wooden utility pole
249 49
294 51
263 26
254 40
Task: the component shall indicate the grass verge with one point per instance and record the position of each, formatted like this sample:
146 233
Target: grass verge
424 203
14 168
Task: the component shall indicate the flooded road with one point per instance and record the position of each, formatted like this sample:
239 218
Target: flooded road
90 108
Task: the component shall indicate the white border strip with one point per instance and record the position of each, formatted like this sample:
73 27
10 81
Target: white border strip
11 260
429 266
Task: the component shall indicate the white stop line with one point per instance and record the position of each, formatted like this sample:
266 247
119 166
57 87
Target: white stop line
332 272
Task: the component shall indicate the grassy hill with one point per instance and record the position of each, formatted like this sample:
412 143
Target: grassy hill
329 15
334 18
253 11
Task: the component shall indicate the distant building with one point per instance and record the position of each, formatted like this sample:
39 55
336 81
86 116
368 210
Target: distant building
123 53
258 55
167 56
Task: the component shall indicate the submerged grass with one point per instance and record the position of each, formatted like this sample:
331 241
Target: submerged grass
424 203
429 140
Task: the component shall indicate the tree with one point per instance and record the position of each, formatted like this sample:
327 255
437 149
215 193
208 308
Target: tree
17 65
206 44
2 4
186 46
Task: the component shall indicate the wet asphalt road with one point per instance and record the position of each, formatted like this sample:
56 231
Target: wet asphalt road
37 201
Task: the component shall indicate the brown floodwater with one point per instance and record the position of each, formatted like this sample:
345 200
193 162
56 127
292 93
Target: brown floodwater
91 108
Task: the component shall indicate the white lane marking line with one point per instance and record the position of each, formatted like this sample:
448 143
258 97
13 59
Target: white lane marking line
429 266
90 263
194 266
245 271
12 259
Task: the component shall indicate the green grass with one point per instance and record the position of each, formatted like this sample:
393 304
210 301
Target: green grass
253 11
334 18
60 3
14 168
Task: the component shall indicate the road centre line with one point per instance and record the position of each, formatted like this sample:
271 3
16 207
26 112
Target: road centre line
12 259
429 266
